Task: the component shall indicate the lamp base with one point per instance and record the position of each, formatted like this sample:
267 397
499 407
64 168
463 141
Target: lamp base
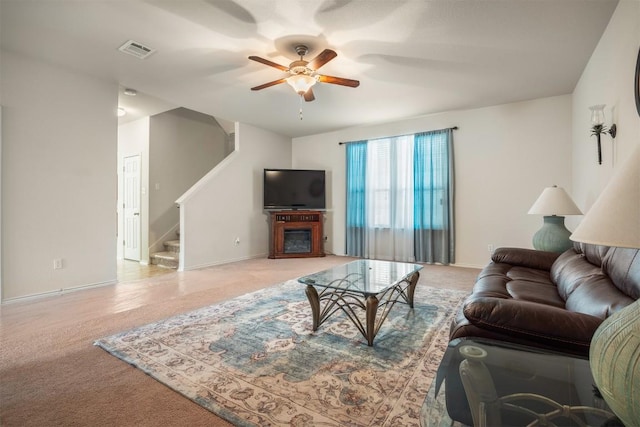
553 236
614 358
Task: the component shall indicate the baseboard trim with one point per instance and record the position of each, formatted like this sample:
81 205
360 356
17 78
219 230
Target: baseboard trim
468 266
221 262
57 292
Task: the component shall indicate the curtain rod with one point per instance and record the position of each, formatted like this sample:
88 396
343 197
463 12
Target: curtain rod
394 136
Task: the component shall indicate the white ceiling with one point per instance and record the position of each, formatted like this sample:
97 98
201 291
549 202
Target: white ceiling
412 57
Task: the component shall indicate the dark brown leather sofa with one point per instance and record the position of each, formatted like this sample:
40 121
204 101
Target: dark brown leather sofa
544 300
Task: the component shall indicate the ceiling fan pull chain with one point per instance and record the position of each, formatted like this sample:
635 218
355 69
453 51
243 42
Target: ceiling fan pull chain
301 101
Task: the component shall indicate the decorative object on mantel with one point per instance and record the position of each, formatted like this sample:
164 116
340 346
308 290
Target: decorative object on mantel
598 119
553 203
614 220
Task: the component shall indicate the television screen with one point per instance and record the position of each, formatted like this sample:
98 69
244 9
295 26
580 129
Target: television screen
294 189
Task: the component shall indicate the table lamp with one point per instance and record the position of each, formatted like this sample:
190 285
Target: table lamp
553 203
614 220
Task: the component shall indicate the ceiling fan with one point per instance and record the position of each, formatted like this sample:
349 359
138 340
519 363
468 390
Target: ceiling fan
304 74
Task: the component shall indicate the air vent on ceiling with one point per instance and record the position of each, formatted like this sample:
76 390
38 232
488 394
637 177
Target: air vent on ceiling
136 49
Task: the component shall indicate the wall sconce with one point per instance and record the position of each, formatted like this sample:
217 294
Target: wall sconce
597 119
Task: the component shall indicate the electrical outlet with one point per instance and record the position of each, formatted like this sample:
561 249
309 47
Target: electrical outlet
57 264
237 241
490 248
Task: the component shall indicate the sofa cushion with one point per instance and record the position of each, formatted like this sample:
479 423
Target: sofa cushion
501 280
570 270
530 258
523 274
623 267
535 291
597 280
597 297
491 281
530 322
594 253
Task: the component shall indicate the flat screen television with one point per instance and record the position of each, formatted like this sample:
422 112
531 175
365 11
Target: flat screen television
294 189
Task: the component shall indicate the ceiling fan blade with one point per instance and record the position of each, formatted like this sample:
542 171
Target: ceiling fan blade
266 85
269 63
309 96
322 58
338 81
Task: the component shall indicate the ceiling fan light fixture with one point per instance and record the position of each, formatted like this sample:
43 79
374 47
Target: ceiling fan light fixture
304 74
301 83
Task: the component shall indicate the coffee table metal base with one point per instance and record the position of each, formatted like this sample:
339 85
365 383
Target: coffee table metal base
330 300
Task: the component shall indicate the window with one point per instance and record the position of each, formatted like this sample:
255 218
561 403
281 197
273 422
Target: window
391 166
401 189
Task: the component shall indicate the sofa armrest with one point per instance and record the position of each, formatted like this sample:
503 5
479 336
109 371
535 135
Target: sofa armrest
536 322
521 257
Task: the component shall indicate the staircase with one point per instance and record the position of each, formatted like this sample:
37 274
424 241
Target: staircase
170 257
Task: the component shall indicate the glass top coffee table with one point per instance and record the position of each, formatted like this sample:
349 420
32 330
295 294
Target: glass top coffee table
368 286
483 382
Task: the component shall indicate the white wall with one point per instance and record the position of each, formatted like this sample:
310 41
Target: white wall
58 178
133 139
1 298
184 146
227 203
58 169
607 79
504 157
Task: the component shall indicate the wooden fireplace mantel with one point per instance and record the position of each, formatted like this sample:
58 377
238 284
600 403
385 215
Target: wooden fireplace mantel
288 231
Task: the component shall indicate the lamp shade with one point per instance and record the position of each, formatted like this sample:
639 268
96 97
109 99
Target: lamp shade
554 201
301 83
597 114
614 218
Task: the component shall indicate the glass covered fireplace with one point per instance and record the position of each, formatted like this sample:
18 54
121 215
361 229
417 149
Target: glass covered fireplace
297 241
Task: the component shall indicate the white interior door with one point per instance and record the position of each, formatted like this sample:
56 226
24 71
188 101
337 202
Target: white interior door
131 207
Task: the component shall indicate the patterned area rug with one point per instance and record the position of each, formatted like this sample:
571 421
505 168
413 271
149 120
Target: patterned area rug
254 360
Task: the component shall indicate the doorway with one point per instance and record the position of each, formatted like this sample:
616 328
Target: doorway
131 207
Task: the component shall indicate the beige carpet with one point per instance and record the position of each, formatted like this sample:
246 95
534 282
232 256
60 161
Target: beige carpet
51 374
